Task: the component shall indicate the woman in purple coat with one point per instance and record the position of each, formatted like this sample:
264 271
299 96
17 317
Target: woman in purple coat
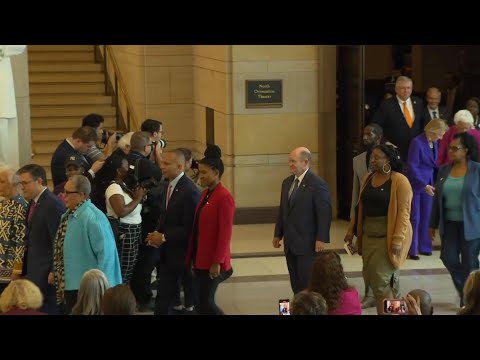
421 166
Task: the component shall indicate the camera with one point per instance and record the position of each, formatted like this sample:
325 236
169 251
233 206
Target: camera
106 135
284 307
148 183
162 143
394 306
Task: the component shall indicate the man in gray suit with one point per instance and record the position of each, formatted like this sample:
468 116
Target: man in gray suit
44 212
372 136
304 218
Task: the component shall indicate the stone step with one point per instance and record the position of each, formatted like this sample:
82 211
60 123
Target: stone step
67 77
56 48
66 88
71 110
61 67
61 56
67 123
69 99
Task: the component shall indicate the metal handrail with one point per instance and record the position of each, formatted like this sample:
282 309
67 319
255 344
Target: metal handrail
118 88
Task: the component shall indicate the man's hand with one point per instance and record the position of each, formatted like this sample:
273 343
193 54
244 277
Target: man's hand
155 239
348 238
214 270
319 246
276 242
51 278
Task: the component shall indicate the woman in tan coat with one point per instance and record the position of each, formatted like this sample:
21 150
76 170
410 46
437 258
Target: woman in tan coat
383 228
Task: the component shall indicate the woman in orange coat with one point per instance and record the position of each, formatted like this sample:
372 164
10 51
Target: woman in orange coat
209 248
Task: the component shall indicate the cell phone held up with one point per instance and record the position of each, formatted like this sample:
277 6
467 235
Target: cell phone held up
395 307
284 307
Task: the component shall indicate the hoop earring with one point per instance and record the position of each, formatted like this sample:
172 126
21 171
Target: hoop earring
389 168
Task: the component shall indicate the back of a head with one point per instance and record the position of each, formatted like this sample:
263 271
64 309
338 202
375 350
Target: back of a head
151 126
212 159
308 303
471 294
92 288
93 120
426 306
139 140
119 300
21 294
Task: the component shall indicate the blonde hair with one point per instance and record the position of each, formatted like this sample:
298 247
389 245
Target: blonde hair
21 294
436 126
11 174
471 294
92 287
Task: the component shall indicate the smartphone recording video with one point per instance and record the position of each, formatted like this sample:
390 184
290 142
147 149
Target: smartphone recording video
394 306
284 307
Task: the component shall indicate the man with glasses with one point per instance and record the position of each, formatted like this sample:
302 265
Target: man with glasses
43 217
81 141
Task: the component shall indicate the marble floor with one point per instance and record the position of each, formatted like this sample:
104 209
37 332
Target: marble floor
260 275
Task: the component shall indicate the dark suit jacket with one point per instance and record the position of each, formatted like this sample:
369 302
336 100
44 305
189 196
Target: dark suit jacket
308 218
176 221
470 200
40 237
390 117
215 226
62 153
441 114
421 163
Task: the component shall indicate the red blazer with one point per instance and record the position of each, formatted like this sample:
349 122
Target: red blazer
215 230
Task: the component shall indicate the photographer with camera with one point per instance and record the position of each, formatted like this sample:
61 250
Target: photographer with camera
81 141
143 171
96 121
155 129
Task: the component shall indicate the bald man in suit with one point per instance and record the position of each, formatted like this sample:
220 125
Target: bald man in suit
304 218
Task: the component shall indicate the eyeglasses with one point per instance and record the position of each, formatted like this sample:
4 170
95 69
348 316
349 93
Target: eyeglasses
72 192
455 148
25 183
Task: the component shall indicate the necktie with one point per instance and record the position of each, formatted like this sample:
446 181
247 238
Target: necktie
434 114
169 193
294 191
408 117
31 210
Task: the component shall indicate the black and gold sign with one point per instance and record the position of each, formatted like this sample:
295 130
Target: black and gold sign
264 93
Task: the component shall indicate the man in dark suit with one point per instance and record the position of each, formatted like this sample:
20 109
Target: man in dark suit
44 212
81 141
433 110
175 227
401 116
304 218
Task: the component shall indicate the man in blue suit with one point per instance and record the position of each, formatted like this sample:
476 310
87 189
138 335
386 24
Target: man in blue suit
401 117
43 218
173 232
304 218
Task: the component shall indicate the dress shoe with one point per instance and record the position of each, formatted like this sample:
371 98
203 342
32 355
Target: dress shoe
425 253
413 257
368 302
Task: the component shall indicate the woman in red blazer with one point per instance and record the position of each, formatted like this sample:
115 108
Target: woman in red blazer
209 248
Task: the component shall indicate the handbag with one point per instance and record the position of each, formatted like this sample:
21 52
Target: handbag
115 224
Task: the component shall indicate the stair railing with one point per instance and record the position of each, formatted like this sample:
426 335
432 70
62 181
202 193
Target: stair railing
115 85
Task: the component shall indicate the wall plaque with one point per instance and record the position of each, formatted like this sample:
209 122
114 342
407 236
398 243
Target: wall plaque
264 93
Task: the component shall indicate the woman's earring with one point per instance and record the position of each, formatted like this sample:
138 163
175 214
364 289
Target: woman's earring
389 168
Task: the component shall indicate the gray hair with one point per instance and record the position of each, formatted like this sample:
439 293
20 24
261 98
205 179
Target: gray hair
90 295
12 175
402 78
125 140
306 155
82 184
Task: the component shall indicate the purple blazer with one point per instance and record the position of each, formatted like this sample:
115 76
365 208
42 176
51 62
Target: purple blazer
421 163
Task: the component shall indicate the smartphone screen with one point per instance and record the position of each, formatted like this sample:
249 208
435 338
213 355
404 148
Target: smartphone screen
394 306
284 307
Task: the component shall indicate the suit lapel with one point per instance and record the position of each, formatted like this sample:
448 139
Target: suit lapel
301 189
175 193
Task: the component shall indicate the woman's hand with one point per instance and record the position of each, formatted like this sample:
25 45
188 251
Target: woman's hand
396 249
431 232
348 238
430 190
214 270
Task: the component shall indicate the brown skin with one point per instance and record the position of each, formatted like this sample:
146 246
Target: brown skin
297 167
210 178
458 154
171 167
117 201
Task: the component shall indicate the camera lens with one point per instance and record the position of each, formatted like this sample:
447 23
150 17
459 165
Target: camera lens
162 143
